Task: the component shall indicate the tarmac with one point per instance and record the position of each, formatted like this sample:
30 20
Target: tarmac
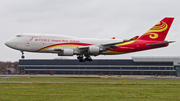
6 77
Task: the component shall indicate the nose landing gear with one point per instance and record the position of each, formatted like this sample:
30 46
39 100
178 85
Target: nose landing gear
22 55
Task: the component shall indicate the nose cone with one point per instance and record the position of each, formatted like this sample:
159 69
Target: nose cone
7 43
10 44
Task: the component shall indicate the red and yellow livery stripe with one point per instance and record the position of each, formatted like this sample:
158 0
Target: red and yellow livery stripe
119 51
115 51
159 27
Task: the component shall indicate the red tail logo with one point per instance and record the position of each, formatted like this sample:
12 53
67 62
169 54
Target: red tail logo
159 31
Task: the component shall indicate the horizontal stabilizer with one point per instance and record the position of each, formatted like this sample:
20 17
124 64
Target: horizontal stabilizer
113 37
161 43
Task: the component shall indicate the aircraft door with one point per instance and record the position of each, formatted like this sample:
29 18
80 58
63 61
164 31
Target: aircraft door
28 43
42 38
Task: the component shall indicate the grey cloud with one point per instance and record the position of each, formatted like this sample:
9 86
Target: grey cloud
86 18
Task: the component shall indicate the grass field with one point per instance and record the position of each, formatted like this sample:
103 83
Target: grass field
89 89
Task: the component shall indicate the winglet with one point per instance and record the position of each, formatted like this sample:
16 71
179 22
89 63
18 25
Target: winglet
134 38
113 37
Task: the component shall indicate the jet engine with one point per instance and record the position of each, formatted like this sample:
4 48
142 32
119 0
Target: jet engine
94 50
66 52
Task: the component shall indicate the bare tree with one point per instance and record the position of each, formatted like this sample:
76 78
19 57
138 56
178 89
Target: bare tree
5 65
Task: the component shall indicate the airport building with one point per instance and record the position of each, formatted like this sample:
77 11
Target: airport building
162 66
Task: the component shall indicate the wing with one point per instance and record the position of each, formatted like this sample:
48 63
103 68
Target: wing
98 48
109 46
95 49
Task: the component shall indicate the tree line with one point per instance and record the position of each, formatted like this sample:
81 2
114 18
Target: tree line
8 66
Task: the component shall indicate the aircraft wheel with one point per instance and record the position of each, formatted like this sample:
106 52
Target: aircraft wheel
88 59
81 60
22 57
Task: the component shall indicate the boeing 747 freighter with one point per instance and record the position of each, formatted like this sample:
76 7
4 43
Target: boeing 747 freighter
84 48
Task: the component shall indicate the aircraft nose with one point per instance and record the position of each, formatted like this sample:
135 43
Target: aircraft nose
10 43
7 43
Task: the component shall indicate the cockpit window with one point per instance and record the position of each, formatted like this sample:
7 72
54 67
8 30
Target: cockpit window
18 35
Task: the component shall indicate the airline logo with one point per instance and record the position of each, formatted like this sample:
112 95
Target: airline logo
159 27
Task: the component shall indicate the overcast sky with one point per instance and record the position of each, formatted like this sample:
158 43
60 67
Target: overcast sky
87 18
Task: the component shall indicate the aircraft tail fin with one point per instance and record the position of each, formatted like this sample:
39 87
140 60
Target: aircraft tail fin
159 31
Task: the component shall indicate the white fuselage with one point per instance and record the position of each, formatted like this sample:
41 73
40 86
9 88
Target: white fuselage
48 42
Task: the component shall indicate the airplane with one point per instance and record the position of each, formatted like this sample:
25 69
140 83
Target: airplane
84 48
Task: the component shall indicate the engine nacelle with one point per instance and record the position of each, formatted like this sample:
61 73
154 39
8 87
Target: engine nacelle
66 52
94 50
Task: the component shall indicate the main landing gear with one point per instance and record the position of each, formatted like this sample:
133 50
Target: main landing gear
22 55
81 58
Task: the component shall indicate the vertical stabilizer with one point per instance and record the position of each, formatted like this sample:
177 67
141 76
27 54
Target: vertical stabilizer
159 31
